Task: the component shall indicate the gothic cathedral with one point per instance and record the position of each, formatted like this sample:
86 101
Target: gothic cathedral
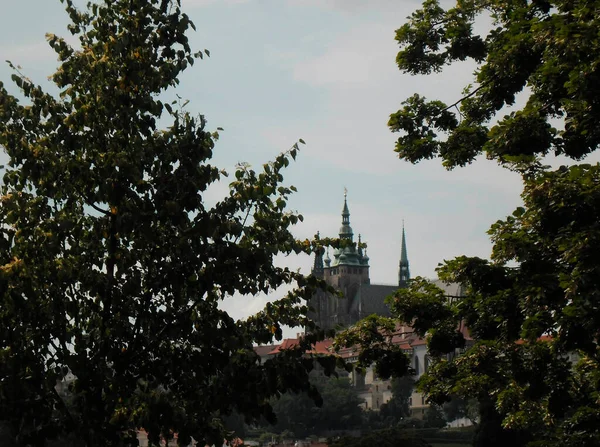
348 272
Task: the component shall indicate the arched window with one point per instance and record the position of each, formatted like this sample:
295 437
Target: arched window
416 365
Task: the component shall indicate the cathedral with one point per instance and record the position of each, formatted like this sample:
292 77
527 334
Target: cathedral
348 272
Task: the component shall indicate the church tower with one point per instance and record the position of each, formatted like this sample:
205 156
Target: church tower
349 265
403 270
347 271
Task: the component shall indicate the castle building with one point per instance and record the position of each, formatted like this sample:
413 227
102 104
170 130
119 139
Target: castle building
348 272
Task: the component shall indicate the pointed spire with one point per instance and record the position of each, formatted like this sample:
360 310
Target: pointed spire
317 269
404 268
345 210
345 229
403 253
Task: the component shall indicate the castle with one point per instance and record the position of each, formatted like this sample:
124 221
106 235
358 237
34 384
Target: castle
348 272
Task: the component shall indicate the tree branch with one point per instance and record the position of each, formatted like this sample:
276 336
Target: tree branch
485 84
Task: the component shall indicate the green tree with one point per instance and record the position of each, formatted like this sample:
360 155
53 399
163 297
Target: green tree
113 267
340 409
549 47
458 408
434 417
398 407
532 309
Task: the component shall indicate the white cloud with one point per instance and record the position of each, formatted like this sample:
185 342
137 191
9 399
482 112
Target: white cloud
359 56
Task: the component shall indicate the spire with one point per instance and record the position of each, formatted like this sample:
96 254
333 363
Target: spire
317 269
404 270
346 229
403 253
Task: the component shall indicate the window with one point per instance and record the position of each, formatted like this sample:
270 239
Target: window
416 365
422 400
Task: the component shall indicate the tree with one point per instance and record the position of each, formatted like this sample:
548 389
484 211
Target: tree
434 417
458 408
548 47
532 309
340 410
398 407
112 266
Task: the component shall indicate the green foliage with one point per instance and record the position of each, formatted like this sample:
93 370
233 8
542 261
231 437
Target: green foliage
510 311
550 47
113 267
398 408
434 417
458 408
385 438
391 437
531 310
373 338
340 410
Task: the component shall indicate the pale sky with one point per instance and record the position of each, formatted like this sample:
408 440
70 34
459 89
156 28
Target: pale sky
324 71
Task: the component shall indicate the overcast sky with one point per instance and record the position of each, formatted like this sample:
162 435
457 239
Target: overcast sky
324 71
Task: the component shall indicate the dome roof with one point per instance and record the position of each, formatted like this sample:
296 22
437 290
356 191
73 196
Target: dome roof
346 230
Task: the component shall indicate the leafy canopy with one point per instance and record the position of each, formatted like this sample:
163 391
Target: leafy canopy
531 310
549 49
340 410
112 266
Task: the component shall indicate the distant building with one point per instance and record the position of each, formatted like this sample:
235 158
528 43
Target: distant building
348 271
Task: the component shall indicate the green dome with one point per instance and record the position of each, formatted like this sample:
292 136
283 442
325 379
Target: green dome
346 230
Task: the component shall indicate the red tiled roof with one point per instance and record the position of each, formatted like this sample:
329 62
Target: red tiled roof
321 347
263 350
403 336
542 338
